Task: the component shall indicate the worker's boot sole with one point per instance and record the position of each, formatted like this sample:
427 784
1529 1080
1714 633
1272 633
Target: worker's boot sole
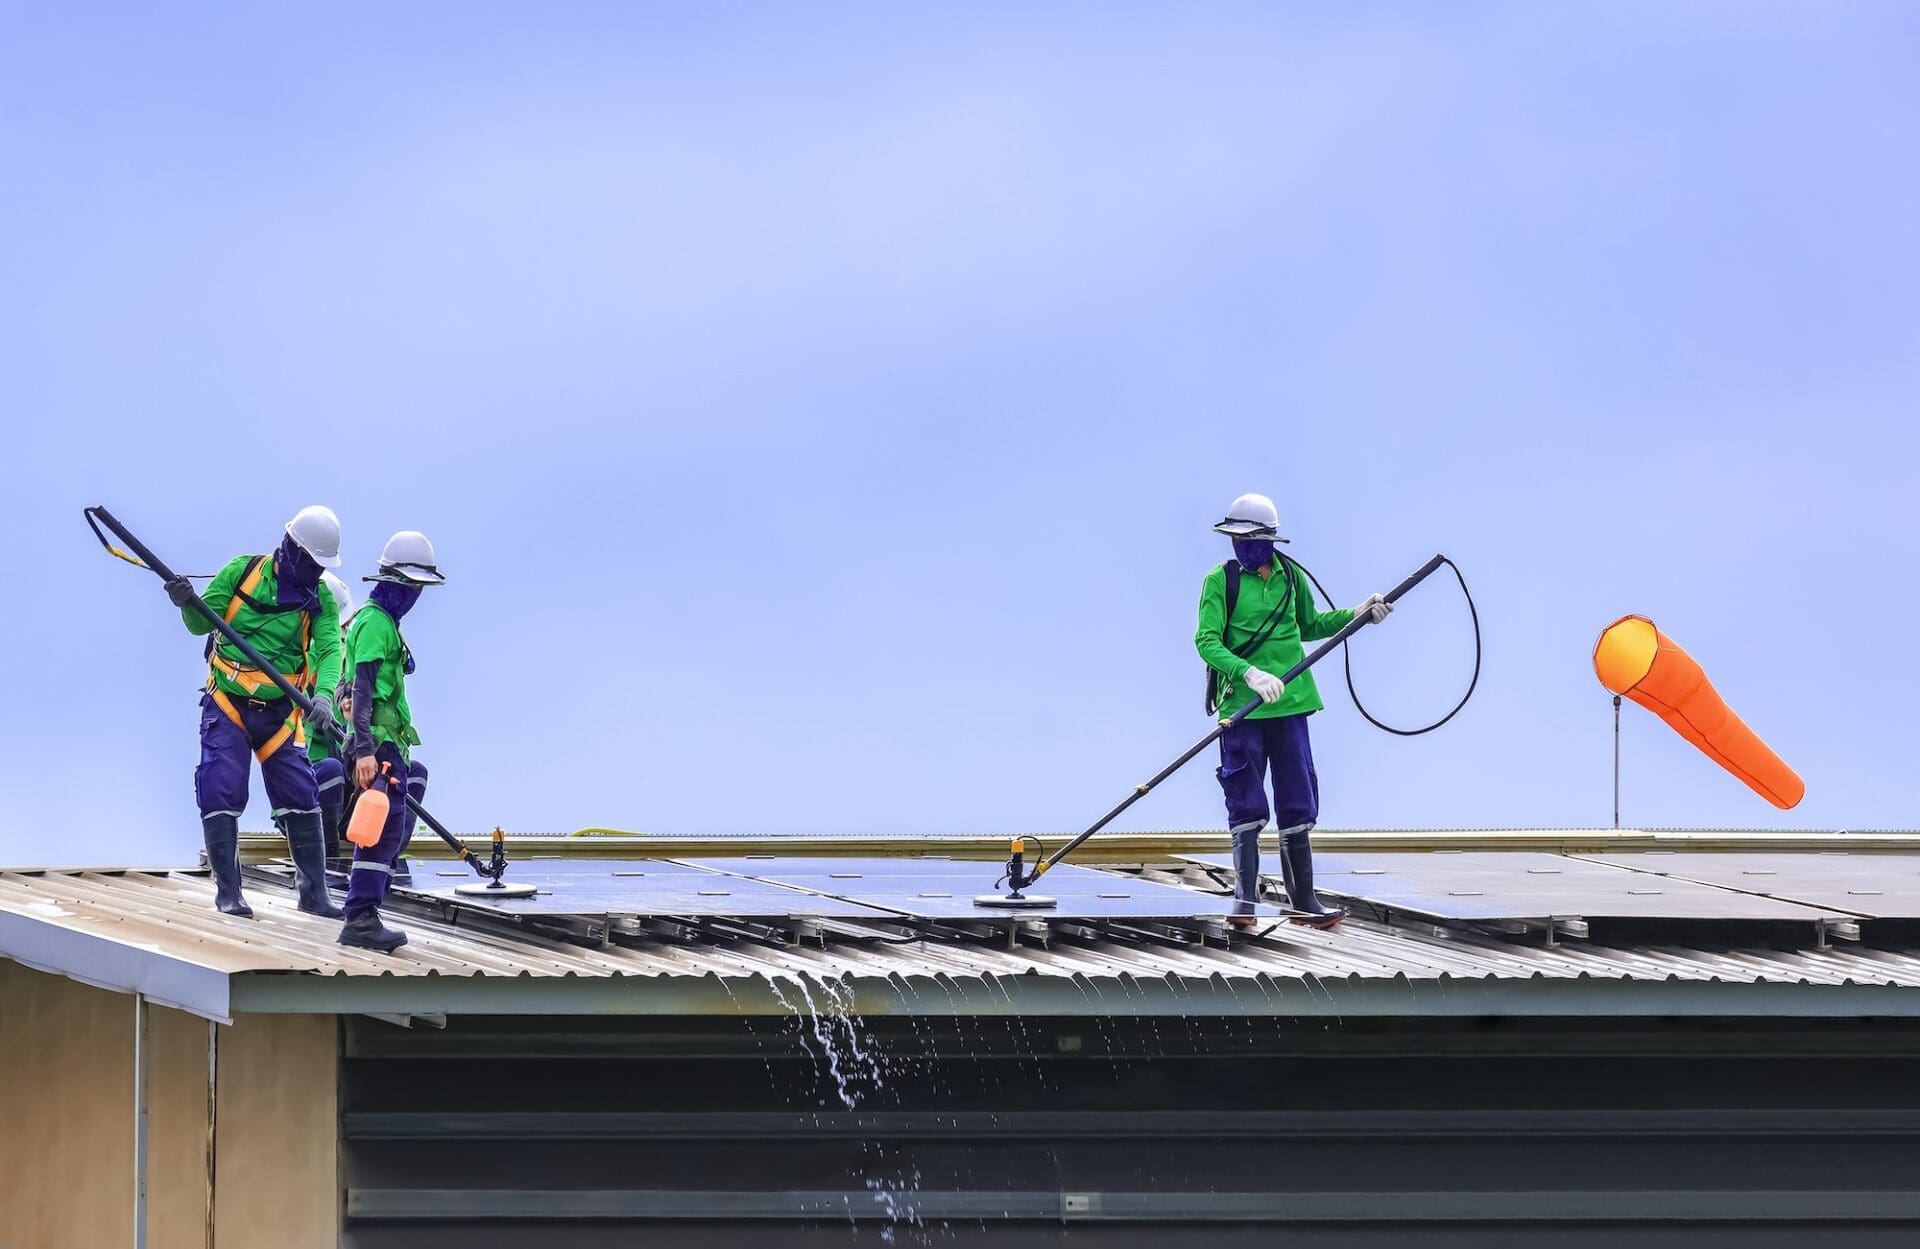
377 946
366 932
1320 923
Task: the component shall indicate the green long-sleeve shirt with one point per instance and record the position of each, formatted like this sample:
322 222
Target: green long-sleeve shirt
275 634
318 745
1257 599
374 638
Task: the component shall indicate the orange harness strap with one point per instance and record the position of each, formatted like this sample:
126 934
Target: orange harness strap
294 729
252 680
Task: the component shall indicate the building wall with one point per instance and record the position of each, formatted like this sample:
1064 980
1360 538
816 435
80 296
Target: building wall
176 1123
67 1123
66 1098
279 1132
829 1130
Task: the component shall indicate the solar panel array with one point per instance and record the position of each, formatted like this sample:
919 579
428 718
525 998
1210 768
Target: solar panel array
640 887
1872 886
944 889
1530 885
766 888
1826 889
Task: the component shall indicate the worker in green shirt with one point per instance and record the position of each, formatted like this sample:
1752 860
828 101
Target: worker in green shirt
1256 611
326 753
279 605
383 734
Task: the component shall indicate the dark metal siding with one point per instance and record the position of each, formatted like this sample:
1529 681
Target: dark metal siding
722 1132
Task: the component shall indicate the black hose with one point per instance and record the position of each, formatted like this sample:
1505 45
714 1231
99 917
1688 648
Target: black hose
1346 655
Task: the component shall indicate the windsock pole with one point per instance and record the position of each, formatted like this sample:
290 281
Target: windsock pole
1616 761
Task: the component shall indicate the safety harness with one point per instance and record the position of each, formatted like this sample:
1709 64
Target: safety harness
252 680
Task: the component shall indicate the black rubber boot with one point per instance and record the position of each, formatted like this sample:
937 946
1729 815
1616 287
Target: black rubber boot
365 931
223 859
332 805
342 849
305 841
1296 866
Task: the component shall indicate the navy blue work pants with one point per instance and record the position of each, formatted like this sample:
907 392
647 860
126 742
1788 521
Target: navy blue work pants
1250 752
372 872
227 757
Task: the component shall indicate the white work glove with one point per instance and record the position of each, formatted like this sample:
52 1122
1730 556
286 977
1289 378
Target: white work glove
1265 684
1375 606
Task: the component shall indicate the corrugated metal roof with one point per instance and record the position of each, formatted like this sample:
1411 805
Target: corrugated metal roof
156 931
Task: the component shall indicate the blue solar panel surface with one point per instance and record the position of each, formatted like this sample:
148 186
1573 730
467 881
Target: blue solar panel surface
1513 884
642 887
944 889
1874 886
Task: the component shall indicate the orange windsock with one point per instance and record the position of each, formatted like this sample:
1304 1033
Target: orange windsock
1637 660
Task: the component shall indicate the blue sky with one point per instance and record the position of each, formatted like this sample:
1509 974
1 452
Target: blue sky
820 410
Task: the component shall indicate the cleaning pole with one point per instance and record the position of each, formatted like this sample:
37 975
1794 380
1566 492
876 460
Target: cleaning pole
1018 878
139 555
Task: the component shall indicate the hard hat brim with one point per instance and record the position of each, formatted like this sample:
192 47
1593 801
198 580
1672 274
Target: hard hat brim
401 577
1248 529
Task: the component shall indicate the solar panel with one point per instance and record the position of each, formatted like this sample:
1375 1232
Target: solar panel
639 887
1875 886
944 889
1526 885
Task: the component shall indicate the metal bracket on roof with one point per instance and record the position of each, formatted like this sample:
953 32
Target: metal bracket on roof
689 928
1835 928
425 1019
1200 876
1550 930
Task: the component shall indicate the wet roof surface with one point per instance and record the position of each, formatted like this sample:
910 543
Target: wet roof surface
156 931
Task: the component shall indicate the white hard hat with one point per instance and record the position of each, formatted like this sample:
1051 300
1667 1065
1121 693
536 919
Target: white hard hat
1251 516
342 596
317 532
408 559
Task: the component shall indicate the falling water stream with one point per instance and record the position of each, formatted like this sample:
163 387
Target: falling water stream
859 1069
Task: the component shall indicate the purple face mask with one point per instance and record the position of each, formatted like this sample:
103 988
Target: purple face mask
1253 553
394 599
297 576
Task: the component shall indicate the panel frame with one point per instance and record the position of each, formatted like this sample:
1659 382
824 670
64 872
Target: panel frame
1686 865
1334 873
